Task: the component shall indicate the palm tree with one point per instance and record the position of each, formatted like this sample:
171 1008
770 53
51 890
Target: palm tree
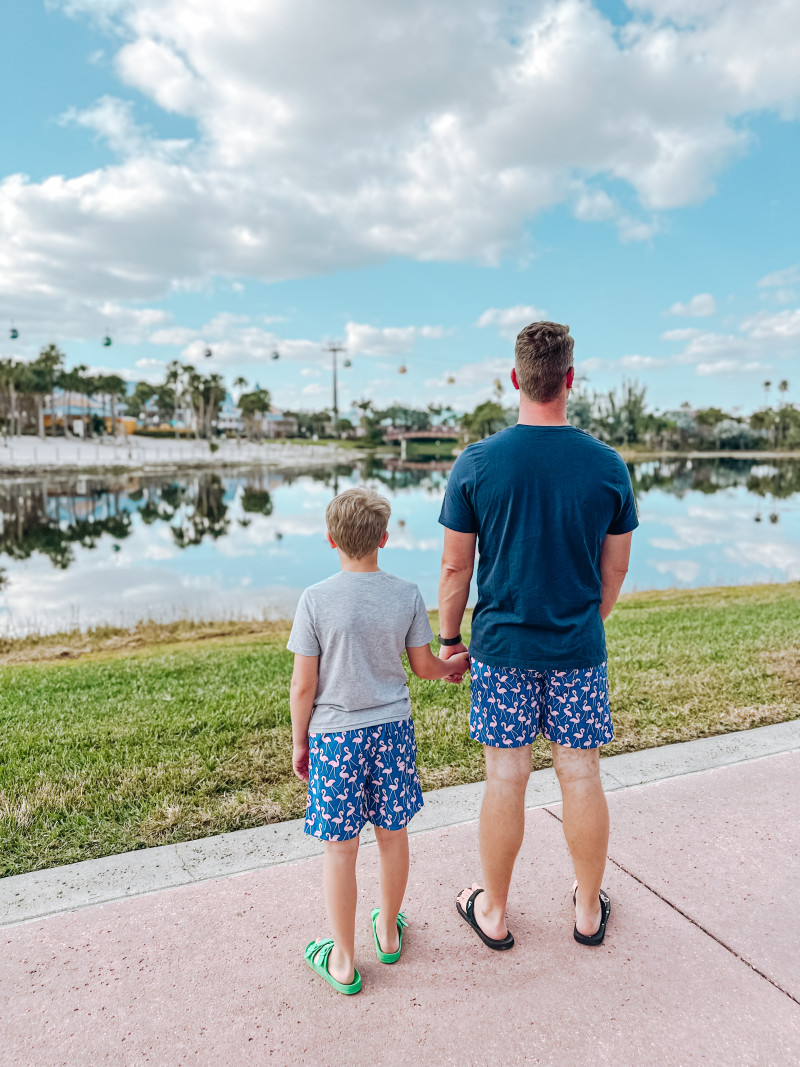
11 377
783 389
767 387
70 382
40 380
176 380
87 386
113 387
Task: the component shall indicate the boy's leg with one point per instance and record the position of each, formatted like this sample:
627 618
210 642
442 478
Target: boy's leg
393 848
339 879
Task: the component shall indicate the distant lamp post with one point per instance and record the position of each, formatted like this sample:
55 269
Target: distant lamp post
335 347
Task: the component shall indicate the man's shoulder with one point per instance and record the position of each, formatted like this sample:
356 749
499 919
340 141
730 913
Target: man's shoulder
478 450
594 446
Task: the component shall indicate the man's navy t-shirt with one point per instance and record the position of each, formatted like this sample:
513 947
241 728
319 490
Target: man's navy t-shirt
541 500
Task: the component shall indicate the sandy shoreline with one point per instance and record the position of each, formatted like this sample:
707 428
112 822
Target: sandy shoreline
34 455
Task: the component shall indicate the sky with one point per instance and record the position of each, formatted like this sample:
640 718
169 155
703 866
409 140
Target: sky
417 180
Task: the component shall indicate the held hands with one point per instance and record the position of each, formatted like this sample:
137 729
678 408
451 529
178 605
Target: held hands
457 657
300 760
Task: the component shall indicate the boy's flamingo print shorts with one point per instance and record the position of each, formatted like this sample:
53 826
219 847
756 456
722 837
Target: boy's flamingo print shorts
510 706
358 776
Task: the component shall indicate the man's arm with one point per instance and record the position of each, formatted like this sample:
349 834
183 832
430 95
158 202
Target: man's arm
614 558
301 702
458 563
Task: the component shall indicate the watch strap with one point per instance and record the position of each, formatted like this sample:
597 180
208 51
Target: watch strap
449 640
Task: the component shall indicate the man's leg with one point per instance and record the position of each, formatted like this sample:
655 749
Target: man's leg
585 827
502 827
339 879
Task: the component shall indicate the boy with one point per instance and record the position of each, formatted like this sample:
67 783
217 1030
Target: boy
349 693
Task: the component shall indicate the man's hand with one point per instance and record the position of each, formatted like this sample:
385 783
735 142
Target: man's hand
300 760
448 651
460 662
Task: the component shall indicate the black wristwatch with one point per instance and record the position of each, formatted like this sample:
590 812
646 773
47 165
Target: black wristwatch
448 640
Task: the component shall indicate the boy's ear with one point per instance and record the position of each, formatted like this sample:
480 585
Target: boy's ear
384 539
331 541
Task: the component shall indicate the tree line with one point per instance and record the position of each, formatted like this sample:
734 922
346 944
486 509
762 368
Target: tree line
31 391
620 417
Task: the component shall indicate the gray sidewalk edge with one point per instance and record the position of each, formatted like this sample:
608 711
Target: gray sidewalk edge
26 897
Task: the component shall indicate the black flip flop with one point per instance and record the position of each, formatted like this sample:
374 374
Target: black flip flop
605 911
468 915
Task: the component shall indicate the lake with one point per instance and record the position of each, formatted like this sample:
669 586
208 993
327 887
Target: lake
80 550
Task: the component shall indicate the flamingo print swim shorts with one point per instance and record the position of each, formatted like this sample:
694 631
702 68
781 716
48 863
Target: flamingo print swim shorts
510 706
358 776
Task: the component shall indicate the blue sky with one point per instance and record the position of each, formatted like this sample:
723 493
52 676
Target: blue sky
420 180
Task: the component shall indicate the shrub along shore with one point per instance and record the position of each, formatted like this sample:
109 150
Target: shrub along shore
123 739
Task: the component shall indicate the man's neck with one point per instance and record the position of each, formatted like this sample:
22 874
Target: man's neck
552 414
359 566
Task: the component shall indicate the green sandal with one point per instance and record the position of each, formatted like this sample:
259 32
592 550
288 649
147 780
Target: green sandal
402 923
316 954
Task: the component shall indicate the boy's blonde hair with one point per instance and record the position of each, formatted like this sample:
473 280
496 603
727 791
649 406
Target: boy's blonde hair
357 520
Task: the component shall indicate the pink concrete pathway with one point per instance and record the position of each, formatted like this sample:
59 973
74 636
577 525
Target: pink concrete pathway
700 964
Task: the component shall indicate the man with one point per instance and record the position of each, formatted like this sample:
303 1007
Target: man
552 510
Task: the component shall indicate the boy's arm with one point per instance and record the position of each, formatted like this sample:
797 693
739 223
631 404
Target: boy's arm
302 692
425 665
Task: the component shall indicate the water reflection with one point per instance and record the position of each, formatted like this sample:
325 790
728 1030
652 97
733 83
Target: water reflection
114 548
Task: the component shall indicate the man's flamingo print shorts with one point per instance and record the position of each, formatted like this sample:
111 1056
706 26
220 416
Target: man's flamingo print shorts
509 706
358 776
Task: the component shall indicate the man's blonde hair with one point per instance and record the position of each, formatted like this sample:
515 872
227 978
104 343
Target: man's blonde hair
357 520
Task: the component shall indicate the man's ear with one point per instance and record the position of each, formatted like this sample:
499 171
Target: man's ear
384 539
514 381
331 541
570 377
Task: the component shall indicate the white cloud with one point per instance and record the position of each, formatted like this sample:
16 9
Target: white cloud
731 366
700 306
685 570
388 340
509 321
434 131
685 333
633 363
781 278
783 325
595 205
112 120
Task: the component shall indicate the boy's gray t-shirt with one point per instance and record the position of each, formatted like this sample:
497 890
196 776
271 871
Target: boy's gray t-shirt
359 623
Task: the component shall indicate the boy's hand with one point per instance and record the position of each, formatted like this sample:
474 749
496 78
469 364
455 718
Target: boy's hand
300 760
460 665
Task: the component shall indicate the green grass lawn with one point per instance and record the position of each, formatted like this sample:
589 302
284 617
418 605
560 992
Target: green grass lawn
120 740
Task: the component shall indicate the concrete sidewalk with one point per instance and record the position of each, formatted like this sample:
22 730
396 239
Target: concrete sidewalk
700 964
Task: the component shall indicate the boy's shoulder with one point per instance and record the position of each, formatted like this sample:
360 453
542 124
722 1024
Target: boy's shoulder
319 589
328 586
401 583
